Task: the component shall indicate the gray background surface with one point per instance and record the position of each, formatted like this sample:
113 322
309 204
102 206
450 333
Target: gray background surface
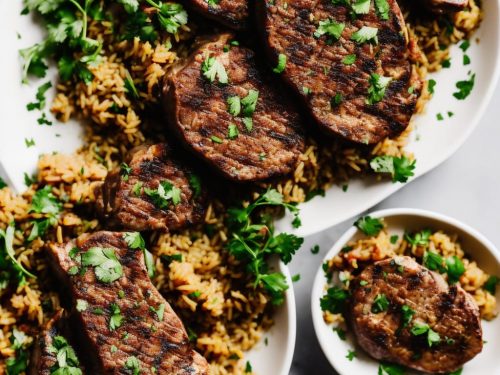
466 187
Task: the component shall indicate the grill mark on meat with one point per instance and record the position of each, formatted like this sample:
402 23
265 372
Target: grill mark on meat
167 347
448 310
316 63
276 133
150 165
231 13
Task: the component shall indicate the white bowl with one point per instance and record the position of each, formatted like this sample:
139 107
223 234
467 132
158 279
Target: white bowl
397 220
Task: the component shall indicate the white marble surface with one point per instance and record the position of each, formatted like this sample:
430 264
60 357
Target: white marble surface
466 187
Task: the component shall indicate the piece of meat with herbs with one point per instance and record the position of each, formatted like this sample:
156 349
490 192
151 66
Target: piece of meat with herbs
153 191
230 114
445 6
401 312
126 326
231 13
53 351
348 61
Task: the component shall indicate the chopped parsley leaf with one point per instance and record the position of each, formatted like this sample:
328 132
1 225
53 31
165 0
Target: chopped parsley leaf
423 328
248 367
380 304
365 34
334 300
340 332
383 9
430 86
401 169
116 318
333 30
216 139
107 268
336 100
464 88
351 354
455 269
67 361
315 249
296 277
349 59
378 85
464 46
40 97
419 238
212 69
361 6
466 60
160 311
280 67
234 105
491 285
132 363
249 103
232 131
165 193
390 369
406 315
125 171
434 261
369 226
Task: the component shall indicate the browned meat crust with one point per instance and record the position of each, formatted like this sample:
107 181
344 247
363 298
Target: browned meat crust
445 6
123 202
315 68
43 359
448 310
198 111
154 339
232 13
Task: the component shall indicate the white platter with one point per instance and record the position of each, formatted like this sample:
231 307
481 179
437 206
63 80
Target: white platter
398 220
438 140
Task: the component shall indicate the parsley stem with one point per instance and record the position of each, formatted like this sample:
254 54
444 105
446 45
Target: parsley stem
152 3
84 14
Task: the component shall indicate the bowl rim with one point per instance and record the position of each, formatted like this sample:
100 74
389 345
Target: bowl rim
319 280
291 311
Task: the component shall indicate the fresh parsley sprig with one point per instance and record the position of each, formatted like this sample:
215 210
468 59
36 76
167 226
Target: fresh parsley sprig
401 169
45 204
10 266
252 240
67 39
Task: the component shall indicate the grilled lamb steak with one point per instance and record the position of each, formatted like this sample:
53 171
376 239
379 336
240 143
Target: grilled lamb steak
157 193
259 139
126 325
232 13
386 335
55 335
344 82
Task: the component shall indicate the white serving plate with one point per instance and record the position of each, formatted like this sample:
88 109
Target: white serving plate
397 220
438 139
275 357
